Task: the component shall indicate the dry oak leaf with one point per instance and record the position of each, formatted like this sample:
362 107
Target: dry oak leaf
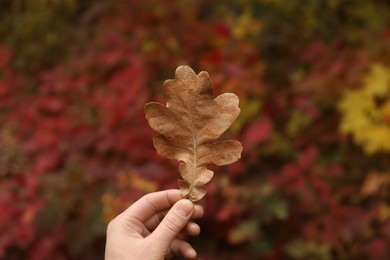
189 126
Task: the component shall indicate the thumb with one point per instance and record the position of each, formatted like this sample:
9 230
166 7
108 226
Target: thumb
173 223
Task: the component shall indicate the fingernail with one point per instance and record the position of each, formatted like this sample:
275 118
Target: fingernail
185 208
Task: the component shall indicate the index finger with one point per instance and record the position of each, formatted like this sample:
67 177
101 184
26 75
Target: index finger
151 203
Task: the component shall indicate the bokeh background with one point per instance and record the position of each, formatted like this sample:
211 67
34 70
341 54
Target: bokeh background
313 78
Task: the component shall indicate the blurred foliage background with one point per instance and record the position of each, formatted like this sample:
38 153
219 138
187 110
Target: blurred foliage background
314 86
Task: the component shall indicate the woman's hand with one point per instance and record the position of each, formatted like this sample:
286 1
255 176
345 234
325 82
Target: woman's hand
154 228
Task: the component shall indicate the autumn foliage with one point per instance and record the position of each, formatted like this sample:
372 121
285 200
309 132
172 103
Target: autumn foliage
313 81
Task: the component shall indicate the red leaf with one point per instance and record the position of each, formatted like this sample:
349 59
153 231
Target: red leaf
44 249
308 157
52 104
258 132
222 31
5 56
48 161
378 249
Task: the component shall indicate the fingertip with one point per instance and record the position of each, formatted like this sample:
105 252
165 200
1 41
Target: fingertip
198 211
193 229
190 253
185 207
174 222
183 248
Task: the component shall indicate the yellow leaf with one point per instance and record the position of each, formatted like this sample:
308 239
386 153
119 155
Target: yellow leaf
366 111
383 211
377 81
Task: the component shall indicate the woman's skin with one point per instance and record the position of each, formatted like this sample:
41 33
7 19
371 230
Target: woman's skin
154 228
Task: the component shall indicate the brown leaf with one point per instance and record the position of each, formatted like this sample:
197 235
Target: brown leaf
375 183
13 159
190 124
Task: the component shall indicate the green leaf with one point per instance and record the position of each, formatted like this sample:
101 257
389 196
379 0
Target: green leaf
244 232
300 249
278 208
